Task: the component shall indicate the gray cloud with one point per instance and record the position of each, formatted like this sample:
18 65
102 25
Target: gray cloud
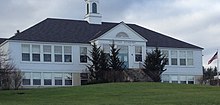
194 21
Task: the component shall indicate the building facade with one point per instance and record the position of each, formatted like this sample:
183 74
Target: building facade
54 52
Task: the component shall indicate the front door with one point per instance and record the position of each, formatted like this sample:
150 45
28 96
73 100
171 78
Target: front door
123 55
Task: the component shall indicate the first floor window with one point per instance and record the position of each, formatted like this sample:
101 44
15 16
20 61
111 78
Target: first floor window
138 53
36 78
68 78
36 57
58 78
47 79
27 79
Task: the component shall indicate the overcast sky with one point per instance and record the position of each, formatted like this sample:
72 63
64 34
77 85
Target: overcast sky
193 21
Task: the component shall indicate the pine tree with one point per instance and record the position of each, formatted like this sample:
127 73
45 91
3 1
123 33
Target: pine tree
94 68
115 64
104 66
154 64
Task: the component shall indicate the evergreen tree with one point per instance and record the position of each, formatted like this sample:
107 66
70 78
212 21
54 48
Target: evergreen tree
94 68
104 66
115 64
209 73
154 64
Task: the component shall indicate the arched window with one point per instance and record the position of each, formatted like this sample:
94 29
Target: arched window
94 8
88 8
122 35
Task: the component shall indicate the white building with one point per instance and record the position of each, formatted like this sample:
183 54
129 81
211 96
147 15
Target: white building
53 52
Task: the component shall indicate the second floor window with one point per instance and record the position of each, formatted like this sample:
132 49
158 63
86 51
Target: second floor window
25 52
58 53
83 54
36 53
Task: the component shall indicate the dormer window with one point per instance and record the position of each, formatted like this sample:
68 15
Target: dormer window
122 35
94 8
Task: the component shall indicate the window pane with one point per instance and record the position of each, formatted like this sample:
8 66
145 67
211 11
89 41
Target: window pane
58 49
174 54
47 49
123 49
138 58
27 79
25 48
58 58
47 57
68 58
189 54
58 78
173 61
47 79
36 49
36 81
83 50
190 62
67 50
83 58
94 8
182 61
25 56
138 50
182 54
35 57
68 78
36 78
26 82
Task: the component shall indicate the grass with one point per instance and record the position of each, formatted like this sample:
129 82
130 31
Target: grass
116 94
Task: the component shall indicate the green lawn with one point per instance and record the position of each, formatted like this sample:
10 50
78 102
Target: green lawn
116 94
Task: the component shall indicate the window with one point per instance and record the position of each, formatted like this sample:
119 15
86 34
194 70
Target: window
182 79
87 8
67 54
166 54
25 52
36 78
190 79
83 54
47 79
68 78
58 78
35 52
174 58
58 53
94 8
174 79
47 53
138 53
182 56
190 58
27 79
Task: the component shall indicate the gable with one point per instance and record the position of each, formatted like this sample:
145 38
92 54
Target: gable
122 32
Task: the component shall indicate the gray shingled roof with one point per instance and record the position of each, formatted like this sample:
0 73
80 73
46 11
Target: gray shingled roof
75 31
2 40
